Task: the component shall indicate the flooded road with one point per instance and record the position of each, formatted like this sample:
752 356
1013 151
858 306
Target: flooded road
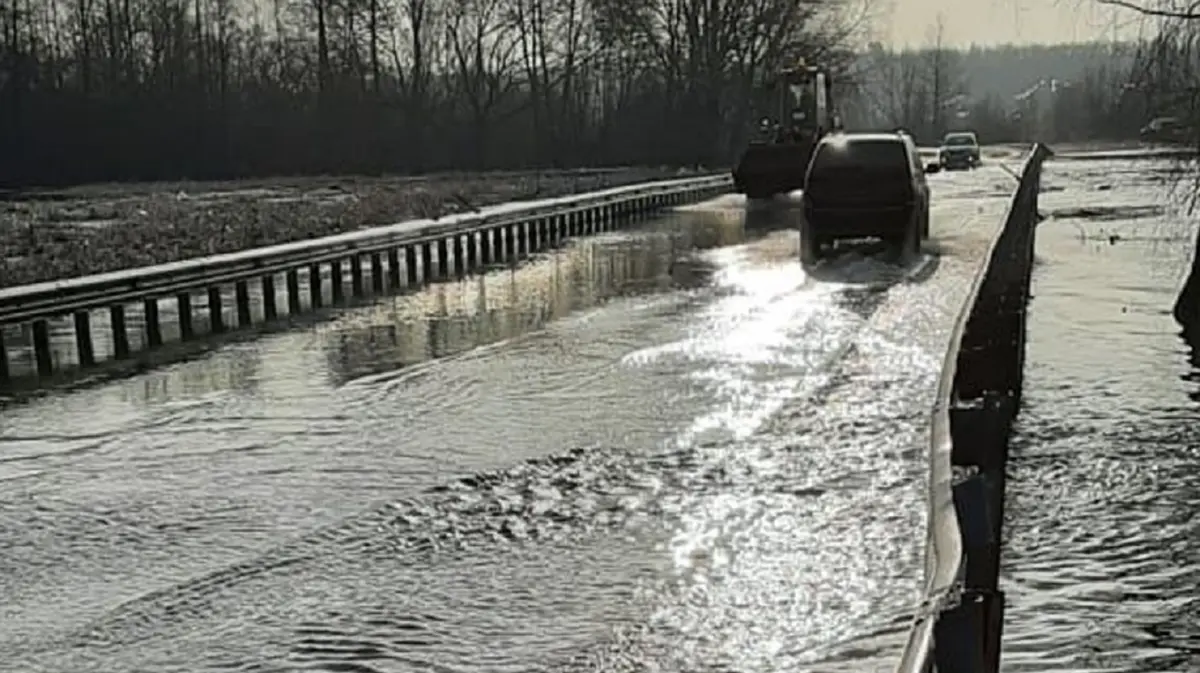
1103 551
665 449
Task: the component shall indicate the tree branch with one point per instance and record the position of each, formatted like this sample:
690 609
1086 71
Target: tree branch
1191 14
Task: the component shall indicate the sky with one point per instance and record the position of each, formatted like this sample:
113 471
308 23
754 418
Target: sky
987 22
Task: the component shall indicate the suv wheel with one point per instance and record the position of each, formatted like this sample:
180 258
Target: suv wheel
911 248
809 252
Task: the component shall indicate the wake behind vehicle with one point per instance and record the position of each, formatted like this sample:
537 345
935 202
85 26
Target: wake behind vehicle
775 163
864 185
959 149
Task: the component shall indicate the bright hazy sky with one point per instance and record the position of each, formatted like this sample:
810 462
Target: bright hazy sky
910 22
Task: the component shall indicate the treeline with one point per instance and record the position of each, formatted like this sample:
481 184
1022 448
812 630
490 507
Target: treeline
1060 93
202 89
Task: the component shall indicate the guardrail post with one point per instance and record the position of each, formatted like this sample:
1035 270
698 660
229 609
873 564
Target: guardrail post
83 338
962 640
488 244
241 297
270 304
357 289
337 281
377 273
120 334
293 291
153 322
426 262
410 266
315 294
183 300
41 348
5 374
458 266
394 278
517 237
974 503
474 241
216 319
980 429
443 259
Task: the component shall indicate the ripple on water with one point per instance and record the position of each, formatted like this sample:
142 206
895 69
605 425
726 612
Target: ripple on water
788 539
1103 550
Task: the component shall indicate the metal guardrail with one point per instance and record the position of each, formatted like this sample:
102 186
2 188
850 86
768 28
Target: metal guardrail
495 234
958 624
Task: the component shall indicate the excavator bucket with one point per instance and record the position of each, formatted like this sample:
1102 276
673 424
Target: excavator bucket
766 170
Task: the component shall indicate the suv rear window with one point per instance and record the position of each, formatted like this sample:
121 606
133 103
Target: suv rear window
963 140
873 156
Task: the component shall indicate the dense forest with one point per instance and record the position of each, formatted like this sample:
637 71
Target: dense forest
141 89
145 89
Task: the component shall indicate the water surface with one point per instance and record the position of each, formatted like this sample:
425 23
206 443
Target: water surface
666 449
1103 550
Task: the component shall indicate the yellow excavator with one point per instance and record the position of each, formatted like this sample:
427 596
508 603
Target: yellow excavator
775 162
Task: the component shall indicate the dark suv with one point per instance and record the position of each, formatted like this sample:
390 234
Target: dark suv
864 185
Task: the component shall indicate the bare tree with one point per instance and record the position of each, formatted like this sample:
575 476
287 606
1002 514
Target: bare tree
139 89
484 55
1170 72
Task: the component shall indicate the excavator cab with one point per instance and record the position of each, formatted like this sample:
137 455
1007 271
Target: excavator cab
776 163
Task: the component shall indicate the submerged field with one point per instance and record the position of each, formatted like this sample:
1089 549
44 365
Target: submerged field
91 229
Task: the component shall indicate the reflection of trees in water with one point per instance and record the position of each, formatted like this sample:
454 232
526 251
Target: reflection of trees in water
500 306
237 368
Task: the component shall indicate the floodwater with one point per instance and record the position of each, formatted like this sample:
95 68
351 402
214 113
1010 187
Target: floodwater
665 449
1102 556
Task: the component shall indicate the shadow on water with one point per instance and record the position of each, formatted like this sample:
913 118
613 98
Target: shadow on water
778 214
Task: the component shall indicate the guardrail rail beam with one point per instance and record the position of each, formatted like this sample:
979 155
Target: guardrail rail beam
238 290
958 627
